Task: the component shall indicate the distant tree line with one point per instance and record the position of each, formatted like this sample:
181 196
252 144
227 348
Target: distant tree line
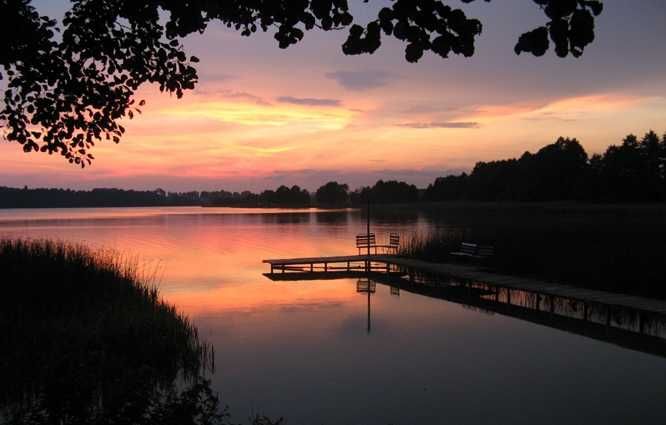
634 171
62 198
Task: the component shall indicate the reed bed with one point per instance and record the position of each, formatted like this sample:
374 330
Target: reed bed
84 330
614 248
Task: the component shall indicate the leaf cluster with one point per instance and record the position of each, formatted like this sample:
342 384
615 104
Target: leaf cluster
571 28
70 84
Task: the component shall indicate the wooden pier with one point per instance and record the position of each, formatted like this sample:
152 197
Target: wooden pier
325 266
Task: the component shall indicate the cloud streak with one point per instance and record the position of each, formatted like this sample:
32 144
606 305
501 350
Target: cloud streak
442 124
308 101
361 80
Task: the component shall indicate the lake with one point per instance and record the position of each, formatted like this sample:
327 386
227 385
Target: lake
319 352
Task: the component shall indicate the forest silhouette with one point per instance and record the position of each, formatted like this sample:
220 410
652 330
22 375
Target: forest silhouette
634 171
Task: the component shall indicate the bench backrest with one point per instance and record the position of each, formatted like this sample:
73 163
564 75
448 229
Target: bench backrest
394 239
468 248
366 285
485 251
363 241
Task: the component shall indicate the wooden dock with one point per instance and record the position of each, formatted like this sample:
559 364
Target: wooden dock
411 267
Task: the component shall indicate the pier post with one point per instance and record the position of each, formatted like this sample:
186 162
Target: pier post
311 267
584 311
325 267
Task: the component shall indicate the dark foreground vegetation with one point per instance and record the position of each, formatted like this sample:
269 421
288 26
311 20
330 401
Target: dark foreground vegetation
609 247
86 340
634 171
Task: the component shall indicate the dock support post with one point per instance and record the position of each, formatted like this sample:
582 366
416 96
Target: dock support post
311 267
325 267
538 301
271 268
584 311
347 265
388 268
508 296
282 268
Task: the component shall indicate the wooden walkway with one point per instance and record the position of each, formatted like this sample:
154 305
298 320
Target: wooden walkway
466 272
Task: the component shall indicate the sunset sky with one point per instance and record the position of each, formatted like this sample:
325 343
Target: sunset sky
262 116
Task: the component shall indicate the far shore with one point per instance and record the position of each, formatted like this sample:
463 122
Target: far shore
573 205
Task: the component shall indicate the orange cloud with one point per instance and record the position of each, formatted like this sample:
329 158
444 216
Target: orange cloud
564 109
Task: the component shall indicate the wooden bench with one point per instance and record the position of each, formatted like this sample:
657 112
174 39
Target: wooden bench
366 242
394 242
472 250
393 245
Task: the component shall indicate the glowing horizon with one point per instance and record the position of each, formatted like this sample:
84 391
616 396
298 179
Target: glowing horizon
261 116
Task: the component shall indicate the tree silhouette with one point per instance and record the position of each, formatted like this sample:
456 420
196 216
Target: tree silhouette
333 194
634 171
66 92
389 192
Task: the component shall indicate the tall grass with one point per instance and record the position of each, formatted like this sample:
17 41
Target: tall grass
615 248
434 246
84 332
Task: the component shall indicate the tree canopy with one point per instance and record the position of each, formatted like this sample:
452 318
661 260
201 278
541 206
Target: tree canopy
634 171
333 194
70 83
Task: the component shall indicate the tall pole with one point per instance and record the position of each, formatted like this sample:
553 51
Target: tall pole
368 221
369 328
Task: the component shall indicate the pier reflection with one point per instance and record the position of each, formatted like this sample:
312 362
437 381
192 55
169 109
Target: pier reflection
367 286
628 328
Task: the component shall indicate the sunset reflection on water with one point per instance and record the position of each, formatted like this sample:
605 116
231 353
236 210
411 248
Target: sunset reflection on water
302 350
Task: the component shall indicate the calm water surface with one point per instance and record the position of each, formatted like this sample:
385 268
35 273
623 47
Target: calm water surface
303 351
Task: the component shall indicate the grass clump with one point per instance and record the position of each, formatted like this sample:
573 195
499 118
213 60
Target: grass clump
87 339
606 247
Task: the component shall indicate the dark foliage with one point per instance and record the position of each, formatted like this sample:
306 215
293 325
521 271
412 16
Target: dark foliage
618 248
333 194
85 340
571 28
283 196
66 198
386 192
635 171
68 91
